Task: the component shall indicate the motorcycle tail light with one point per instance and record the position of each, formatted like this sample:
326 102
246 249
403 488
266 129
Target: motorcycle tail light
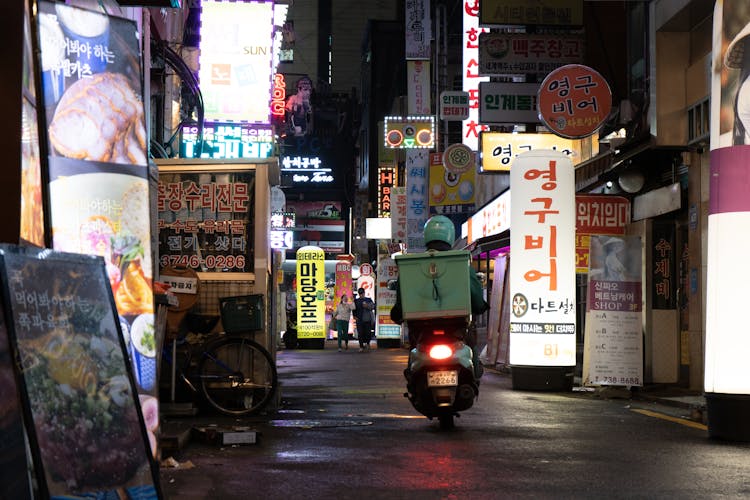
441 351
438 332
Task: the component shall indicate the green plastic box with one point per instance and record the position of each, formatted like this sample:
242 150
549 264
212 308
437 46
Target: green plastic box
242 314
434 284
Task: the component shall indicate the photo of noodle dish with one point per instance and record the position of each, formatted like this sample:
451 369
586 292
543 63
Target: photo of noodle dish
83 405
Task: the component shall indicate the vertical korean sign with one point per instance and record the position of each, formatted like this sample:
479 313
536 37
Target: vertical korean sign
417 199
99 201
613 352
471 78
386 299
542 271
311 303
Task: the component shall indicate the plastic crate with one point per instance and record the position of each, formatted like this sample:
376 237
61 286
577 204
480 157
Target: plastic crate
243 313
434 284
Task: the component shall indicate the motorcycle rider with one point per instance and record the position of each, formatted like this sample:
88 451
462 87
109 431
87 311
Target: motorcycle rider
440 234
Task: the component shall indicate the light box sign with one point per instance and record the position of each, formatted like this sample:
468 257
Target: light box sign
527 53
597 214
386 181
471 126
236 54
542 274
409 132
498 149
227 140
523 12
493 218
508 102
306 170
311 303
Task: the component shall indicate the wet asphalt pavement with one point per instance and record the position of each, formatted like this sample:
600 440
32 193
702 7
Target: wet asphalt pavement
343 430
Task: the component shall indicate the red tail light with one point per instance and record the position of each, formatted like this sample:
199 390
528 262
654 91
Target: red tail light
441 351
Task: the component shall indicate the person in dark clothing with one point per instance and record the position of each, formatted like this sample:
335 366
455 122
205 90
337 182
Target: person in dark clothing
439 235
364 313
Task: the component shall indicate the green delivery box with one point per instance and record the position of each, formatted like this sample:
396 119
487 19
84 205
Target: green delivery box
434 284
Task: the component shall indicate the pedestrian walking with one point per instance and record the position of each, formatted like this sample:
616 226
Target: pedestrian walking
343 314
364 313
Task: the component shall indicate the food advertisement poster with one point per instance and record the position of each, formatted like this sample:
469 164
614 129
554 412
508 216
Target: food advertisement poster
450 193
99 201
204 220
87 435
613 340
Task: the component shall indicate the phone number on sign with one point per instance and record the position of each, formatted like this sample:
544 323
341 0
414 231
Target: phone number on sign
209 261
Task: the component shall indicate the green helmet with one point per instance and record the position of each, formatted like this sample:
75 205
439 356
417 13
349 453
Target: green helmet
439 228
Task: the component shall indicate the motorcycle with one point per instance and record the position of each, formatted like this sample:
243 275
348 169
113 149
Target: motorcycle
440 377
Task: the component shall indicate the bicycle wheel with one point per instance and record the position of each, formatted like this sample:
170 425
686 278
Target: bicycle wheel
237 375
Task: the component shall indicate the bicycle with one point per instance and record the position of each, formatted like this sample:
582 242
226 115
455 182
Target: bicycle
233 373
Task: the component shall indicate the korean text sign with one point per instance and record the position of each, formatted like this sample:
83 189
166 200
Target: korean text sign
311 304
574 101
205 220
542 271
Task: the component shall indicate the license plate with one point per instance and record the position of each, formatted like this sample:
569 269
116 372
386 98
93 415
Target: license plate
443 378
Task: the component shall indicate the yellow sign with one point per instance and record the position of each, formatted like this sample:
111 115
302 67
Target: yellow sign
311 304
497 150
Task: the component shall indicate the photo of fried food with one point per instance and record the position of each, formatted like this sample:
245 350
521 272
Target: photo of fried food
100 119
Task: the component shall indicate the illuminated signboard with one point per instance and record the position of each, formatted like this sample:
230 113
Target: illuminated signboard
471 127
282 235
283 220
227 140
497 150
281 239
409 132
304 169
236 54
542 246
311 296
501 102
386 180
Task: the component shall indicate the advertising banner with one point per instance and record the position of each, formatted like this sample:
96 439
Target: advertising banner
418 83
513 103
471 126
418 29
311 293
450 193
417 198
542 271
386 299
598 214
574 101
99 198
236 53
613 340
548 12
205 220
510 54
89 437
343 285
398 213
318 223
498 149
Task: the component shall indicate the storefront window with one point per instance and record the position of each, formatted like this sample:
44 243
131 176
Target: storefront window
206 220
